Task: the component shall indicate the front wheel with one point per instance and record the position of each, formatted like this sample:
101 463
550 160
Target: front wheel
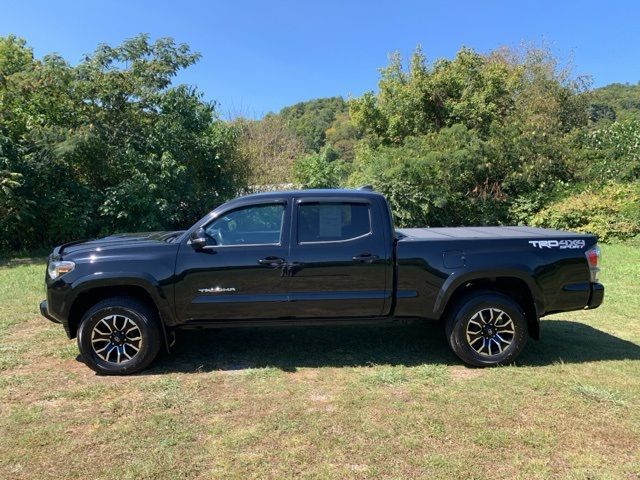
119 336
487 328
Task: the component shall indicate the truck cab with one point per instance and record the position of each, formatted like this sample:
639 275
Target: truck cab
313 255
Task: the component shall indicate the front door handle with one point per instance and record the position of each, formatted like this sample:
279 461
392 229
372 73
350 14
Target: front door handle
271 261
365 258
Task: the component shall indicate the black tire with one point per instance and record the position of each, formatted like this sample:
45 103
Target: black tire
126 312
490 343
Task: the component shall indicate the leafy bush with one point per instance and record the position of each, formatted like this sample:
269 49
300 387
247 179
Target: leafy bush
610 212
527 204
439 179
320 170
612 152
402 183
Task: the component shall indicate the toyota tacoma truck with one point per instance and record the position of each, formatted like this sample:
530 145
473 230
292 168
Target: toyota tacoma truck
316 257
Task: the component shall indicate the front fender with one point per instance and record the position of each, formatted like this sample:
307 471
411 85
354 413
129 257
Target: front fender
63 296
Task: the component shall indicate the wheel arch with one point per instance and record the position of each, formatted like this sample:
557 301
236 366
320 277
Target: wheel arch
90 292
514 286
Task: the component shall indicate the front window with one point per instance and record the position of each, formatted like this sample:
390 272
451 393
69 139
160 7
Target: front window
254 225
332 221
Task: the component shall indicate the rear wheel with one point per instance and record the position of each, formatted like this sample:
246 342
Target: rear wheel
119 336
487 328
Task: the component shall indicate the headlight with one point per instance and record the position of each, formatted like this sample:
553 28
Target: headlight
58 268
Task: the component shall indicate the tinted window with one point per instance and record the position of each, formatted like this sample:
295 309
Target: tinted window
255 225
324 222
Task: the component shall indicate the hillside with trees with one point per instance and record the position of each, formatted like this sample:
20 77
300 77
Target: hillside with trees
618 101
508 137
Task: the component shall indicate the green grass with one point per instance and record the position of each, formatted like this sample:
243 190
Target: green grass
350 402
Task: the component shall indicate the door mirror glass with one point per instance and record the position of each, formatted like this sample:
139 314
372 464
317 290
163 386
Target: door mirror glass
198 239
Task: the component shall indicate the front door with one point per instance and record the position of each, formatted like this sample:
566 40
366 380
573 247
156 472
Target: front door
240 273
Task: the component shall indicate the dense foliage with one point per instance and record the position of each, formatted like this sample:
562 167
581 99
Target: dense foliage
310 120
499 138
612 152
106 145
269 148
617 101
319 170
506 137
611 212
463 140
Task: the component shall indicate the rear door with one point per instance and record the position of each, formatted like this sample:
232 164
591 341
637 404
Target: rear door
338 260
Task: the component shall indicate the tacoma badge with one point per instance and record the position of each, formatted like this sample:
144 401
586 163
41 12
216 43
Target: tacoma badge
216 289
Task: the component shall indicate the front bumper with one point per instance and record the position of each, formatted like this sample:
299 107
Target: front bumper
44 311
596 296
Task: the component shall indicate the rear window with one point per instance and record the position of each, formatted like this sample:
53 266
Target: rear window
330 222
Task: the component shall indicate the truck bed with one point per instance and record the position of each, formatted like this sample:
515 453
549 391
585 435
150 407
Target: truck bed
469 233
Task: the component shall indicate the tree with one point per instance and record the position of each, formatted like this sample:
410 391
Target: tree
471 89
342 136
443 178
475 90
622 98
110 144
269 149
601 111
310 120
460 141
320 170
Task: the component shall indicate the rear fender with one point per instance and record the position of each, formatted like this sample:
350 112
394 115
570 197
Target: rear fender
457 279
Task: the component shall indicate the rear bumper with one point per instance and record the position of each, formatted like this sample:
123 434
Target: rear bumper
596 296
44 311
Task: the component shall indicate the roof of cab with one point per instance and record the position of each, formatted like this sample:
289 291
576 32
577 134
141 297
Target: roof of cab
327 192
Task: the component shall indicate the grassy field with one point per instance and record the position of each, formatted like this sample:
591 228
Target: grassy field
361 402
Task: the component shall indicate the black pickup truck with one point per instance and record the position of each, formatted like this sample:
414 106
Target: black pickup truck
315 257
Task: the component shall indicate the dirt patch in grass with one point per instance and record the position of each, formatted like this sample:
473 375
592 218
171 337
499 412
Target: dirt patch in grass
461 372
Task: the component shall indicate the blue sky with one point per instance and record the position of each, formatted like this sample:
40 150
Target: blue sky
258 56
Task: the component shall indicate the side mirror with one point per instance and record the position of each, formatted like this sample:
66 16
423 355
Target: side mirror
198 239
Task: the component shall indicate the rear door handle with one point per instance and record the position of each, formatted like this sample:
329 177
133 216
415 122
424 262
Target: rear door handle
365 258
271 261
